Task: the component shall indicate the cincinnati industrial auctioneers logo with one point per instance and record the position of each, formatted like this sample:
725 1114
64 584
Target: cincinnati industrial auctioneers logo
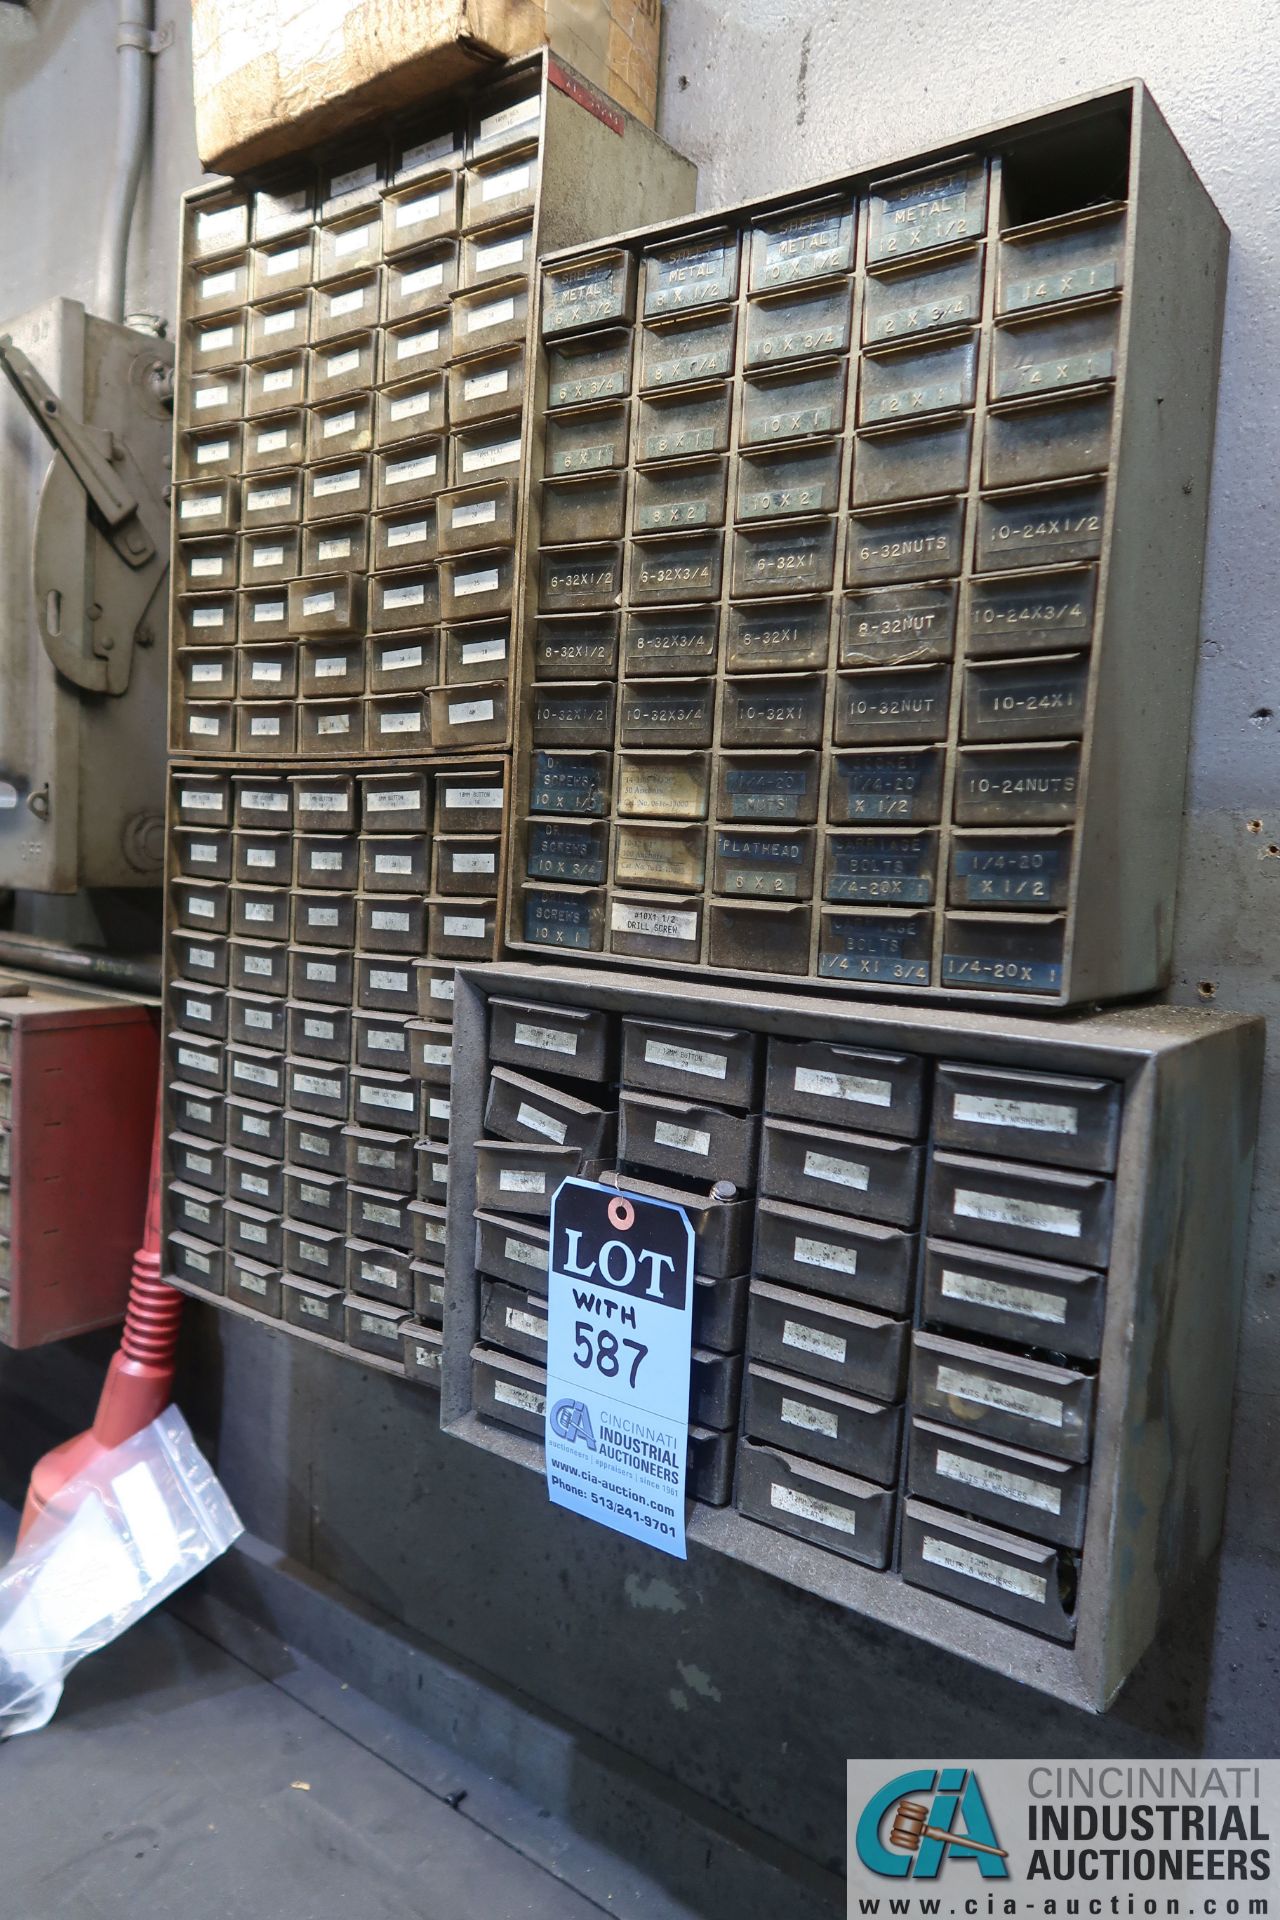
571 1421
919 1820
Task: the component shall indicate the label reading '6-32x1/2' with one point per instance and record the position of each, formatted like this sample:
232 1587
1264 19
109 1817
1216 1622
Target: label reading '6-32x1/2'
619 1337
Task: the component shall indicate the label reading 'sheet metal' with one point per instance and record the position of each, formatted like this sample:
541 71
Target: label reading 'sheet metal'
986 1392
1036 1116
971 1287
841 1173
813 1340
824 1512
1013 1486
980 1566
799 1413
821 1253
654 923
658 1053
683 1139
1007 1210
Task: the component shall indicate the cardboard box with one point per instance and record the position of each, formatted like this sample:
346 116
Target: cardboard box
272 77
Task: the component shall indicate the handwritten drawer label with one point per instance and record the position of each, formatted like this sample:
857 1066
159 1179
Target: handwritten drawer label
813 1340
980 1566
824 1513
1007 1210
1013 1486
986 1392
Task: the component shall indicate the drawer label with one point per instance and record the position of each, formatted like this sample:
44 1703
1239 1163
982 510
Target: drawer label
844 1086
382 980
529 1324
212 397
543 1123
1013 1486
821 1253
481 385
384 921
986 1392
199 1261
483 580
521 1180
318 1029
316 970
252 1231
392 800
283 322
410 345
506 120
407 721
842 1173
423 277
348 302
413 595
458 926
499 186
390 1097
491 316
259 1017
501 453
980 1566
409 406
525 1253
798 1413
653 923
824 1513
523 1397
435 1056
504 253
479 799
978 1292
386 1041
659 1053
200 957
411 213
421 467
331 666
683 1139
474 863
205 801
256 1075
331 549
813 1340
396 659
336 423
393 863
1007 1210
202 507
474 513
318 1084
346 482
547 1039
1037 1116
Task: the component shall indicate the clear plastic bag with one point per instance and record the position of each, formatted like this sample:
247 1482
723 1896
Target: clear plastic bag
123 1535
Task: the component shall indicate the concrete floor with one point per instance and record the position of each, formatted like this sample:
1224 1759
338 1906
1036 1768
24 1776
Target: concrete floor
176 1780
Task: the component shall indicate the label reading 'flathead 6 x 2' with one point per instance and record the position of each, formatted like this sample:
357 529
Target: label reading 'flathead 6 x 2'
619 1337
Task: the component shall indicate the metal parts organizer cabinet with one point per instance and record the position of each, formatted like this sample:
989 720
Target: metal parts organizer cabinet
352 422
991 1271
351 434
864 569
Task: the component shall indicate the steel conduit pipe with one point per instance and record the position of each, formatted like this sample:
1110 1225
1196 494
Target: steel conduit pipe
133 125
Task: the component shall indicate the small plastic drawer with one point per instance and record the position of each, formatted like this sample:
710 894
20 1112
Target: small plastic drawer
210 453
1047 353
783 560
686 568
1029 872
784 634
1002 1396
667 713
764 863
284 203
418 345
207 509
597 291
282 266
216 343
897 626
570 783
331 667
462 930
683 640
215 286
801 244
331 727
409 410
263 857
403 539
490 319
834 1510
1031 613
268 728
419 283
665 927
429 209
346 306
1035 786
682 353
1047 1213
397 664
785 710
905 705
343 427
280 326
579 579
467 865
591 507
215 222
327 604
916 300
826 1339
499 188
479 451
912 463
1004 953
780 486
1035 443
822 1424
475 653
865 1261
270 559
409 475
1009 1299
271 500
466 717
1004 1486
1038 699
904 383
1040 529
792 405
206 673
497 253
779 788
404 599
587 441
918 543
679 426
674 498
895 867
330 544
571 918
1058 260
1029 1583
577 714
684 275
648 854
567 850
921 211
885 945
695 1139
207 566
349 244
212 399
802 326
663 786
338 488
597 367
